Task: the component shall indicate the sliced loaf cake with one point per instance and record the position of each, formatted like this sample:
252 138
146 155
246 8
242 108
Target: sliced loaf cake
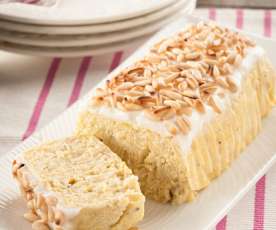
78 183
181 115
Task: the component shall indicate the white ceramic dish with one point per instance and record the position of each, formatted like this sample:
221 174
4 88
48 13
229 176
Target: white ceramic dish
71 12
204 212
96 28
69 52
79 51
43 40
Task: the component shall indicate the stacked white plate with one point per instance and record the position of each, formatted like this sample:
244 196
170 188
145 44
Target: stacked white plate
83 27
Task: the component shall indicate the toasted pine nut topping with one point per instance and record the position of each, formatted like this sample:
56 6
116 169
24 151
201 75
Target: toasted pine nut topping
178 75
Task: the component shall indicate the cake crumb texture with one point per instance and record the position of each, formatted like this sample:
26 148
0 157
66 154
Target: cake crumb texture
83 175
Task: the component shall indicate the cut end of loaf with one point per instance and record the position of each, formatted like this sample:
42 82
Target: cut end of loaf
83 175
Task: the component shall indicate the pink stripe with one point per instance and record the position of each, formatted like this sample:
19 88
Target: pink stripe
79 80
222 224
267 23
42 98
82 73
239 24
260 186
259 204
212 14
116 60
239 18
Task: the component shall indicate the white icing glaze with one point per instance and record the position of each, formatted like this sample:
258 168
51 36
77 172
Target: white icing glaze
69 212
197 120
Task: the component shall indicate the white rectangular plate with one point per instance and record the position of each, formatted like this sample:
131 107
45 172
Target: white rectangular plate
210 205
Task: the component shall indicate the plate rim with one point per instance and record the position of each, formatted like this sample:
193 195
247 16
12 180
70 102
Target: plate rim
85 39
10 12
92 28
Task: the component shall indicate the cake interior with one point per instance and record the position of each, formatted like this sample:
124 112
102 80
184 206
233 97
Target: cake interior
82 173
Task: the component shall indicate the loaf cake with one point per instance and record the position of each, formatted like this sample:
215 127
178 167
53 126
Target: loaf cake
78 184
180 115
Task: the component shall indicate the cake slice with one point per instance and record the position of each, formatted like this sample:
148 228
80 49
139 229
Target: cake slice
181 115
78 183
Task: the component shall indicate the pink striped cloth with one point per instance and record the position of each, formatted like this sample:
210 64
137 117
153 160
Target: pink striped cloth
34 90
260 189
